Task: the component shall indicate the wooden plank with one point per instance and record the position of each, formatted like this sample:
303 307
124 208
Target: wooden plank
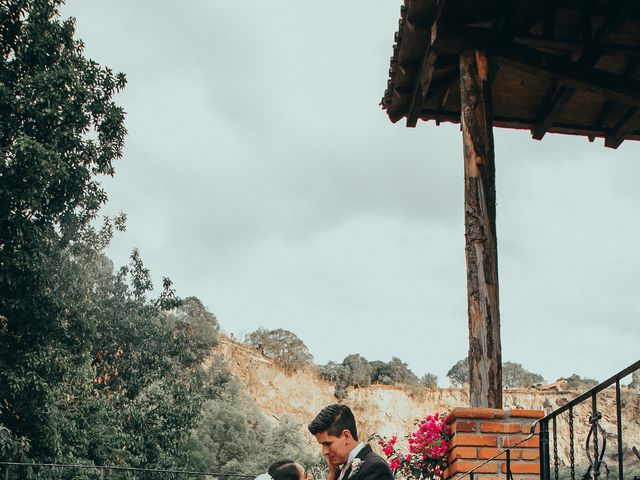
627 125
423 81
591 54
570 73
422 87
610 104
485 365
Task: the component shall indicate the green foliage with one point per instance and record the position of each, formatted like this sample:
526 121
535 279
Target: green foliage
90 368
233 436
515 375
59 130
458 374
357 370
429 380
576 382
392 373
281 345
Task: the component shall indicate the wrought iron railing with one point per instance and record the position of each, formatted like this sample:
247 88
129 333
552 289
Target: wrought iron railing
562 422
37 471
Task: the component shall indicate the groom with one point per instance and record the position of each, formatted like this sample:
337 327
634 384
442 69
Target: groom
348 458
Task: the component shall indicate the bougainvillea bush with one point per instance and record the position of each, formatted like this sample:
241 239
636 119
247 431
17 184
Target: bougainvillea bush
428 449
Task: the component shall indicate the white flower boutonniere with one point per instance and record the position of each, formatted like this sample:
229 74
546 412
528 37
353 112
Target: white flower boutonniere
355 466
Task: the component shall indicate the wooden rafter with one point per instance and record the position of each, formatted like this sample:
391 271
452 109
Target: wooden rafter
629 122
535 62
624 127
559 97
425 75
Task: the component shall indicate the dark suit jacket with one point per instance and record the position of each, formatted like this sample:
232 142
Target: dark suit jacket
373 467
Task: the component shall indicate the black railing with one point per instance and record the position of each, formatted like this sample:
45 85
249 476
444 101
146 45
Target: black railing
592 462
25 471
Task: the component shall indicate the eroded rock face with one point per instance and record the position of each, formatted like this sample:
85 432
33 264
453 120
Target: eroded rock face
393 410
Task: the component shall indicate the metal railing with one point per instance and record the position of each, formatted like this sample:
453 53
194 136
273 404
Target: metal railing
564 419
26 471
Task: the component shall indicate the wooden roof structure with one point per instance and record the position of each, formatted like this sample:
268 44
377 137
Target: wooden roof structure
557 66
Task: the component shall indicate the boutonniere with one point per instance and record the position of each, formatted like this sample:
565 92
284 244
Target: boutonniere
355 466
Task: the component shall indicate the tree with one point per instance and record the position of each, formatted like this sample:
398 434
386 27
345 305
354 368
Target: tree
357 370
60 130
282 345
459 373
576 382
198 322
394 372
429 380
515 375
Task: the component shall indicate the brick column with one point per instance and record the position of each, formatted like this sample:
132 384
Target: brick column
481 433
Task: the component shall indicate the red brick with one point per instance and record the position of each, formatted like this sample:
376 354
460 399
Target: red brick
464 412
533 468
460 426
513 440
515 413
526 428
462 466
521 477
485 453
498 427
471 440
530 454
469 453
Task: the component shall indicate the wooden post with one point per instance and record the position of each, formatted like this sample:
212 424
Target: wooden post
485 362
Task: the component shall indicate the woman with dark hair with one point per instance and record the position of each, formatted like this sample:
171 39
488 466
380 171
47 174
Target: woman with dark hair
288 471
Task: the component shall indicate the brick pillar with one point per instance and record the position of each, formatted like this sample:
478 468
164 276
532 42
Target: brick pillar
481 433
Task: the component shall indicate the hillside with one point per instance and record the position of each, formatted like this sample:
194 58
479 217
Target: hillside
389 409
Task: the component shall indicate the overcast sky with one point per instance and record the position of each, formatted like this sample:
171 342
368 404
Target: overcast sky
261 175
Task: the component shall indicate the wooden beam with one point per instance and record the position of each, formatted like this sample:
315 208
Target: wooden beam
609 104
611 49
485 357
590 56
570 73
422 86
427 67
625 127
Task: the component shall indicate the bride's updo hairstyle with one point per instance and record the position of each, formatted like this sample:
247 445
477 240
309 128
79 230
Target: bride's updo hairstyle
287 471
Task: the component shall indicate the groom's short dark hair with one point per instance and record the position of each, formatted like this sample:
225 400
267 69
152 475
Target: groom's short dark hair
334 419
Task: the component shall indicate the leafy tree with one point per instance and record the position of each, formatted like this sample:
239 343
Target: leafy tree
576 382
332 371
90 368
198 322
283 346
394 372
60 129
233 436
458 374
515 375
429 380
357 370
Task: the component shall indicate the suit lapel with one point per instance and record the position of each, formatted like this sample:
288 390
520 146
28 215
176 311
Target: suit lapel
361 454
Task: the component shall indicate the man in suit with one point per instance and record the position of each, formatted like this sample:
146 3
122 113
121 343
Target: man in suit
347 457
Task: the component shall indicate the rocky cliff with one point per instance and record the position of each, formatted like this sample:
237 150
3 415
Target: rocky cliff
388 409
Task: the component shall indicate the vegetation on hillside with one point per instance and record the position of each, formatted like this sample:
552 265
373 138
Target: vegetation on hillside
94 368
